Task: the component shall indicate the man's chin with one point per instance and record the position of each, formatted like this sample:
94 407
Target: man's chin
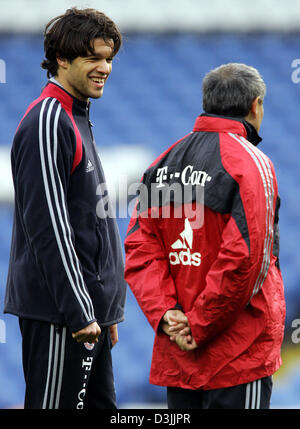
96 94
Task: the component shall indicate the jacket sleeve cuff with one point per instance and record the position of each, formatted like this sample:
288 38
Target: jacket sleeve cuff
77 328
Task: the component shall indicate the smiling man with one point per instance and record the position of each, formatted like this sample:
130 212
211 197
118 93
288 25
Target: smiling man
65 280
85 77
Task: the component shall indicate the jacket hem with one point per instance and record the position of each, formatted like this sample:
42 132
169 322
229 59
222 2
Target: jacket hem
40 318
59 321
216 384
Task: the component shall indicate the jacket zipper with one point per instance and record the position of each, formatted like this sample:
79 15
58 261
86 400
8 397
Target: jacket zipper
94 149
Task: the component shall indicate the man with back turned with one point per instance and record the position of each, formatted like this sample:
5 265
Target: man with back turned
207 275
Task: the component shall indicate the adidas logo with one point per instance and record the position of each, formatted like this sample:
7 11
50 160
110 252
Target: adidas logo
89 166
183 246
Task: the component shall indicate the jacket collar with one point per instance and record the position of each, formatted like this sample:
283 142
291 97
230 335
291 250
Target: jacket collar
226 124
54 89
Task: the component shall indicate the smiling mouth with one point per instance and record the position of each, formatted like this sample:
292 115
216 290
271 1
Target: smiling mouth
99 83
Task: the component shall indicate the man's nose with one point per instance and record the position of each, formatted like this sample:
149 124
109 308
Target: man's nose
103 67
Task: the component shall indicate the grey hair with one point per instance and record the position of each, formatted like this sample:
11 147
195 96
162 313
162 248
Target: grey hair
230 89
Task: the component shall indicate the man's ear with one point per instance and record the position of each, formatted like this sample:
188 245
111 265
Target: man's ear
254 106
62 62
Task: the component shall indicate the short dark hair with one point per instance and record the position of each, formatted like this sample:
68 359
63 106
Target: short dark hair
230 89
71 35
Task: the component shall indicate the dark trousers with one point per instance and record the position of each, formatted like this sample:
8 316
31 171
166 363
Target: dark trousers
254 395
63 374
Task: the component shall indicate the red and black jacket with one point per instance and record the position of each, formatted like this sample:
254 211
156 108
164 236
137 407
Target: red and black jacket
212 255
66 263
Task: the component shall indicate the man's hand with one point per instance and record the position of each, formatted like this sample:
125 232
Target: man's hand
186 342
113 329
175 324
89 334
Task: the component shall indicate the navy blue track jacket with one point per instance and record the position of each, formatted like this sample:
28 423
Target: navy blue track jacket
66 263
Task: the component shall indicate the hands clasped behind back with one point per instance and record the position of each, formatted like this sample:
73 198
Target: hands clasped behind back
175 324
